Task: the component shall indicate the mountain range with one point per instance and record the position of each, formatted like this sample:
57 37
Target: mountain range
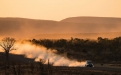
77 27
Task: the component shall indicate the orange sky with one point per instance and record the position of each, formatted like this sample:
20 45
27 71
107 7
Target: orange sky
59 9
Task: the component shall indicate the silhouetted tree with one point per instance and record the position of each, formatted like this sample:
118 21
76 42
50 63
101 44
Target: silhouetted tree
7 45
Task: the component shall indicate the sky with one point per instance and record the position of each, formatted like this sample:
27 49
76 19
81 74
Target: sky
59 9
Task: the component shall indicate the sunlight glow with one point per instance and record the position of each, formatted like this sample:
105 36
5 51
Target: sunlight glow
59 9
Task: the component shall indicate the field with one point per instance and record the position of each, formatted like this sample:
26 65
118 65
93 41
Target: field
42 69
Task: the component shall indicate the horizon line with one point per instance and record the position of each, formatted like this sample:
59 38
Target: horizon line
63 18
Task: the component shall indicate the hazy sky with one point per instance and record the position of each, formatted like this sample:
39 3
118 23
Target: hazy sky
59 9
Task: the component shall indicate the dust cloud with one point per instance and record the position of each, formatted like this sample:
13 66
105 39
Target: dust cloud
40 52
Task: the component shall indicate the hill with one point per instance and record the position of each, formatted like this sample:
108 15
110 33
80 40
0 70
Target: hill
21 27
82 27
95 24
109 35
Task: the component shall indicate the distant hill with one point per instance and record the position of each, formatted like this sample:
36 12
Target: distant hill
22 27
96 20
81 27
95 24
109 35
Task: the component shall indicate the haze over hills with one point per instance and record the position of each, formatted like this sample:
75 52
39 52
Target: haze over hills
96 24
78 27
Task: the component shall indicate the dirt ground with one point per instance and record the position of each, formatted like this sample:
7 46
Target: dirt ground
98 69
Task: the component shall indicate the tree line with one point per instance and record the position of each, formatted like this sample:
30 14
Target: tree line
102 50
99 50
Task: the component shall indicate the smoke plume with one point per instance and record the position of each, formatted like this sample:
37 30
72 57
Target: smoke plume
40 52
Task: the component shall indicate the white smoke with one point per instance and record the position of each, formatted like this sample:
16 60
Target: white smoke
40 52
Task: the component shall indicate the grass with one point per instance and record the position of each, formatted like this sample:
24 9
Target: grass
20 66
41 69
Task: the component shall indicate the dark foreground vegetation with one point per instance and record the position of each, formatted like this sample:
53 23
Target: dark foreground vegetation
38 68
102 50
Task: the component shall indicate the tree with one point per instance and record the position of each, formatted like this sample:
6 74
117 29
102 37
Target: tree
7 45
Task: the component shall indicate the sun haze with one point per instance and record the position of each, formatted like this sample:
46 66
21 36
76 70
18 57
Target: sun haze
59 9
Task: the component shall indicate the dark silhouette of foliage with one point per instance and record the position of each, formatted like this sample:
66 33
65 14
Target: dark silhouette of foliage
102 49
7 45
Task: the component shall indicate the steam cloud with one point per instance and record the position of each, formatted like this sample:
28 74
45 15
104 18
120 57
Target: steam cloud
40 52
